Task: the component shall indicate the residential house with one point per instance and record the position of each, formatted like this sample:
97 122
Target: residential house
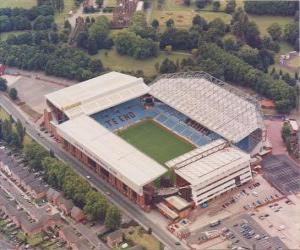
77 214
115 238
53 195
65 205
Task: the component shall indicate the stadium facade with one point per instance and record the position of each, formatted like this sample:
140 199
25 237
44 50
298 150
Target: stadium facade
224 125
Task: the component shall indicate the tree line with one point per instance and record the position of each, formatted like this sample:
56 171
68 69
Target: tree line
36 18
12 133
58 60
59 175
275 8
235 70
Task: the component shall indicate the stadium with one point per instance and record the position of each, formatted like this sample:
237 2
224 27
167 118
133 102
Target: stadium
194 130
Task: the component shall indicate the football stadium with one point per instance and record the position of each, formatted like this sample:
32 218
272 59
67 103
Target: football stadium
186 131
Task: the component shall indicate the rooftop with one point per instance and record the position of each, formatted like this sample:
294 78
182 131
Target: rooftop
177 202
167 211
97 94
215 105
120 158
215 161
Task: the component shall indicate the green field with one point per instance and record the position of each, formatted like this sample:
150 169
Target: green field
17 3
114 61
155 141
263 22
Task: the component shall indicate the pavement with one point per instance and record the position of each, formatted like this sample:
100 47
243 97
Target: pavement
132 210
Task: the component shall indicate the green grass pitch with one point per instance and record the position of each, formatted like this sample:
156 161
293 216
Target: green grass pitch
155 141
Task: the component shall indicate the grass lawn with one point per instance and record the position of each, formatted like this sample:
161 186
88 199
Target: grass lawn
155 141
17 3
3 114
184 18
284 48
117 62
21 236
110 3
183 15
139 237
263 22
294 62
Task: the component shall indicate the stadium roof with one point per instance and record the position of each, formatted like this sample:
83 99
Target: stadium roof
219 160
215 106
127 163
97 94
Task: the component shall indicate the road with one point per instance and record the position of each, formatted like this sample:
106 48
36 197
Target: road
115 197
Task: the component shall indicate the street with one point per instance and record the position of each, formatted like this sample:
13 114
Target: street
115 197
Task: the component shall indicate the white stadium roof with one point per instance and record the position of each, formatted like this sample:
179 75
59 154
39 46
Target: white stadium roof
127 163
214 106
220 160
97 94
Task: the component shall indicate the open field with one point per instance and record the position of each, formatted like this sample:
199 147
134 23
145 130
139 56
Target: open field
155 141
263 22
117 62
183 18
17 3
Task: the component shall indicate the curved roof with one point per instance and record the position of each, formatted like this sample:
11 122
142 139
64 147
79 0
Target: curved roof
215 106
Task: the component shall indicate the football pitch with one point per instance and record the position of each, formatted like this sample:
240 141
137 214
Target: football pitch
155 141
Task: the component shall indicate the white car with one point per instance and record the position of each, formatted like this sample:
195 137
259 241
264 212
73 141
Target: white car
88 177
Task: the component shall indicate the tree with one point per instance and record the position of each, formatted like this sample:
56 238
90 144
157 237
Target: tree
155 24
275 31
201 3
230 6
128 43
216 5
170 23
291 34
249 55
200 22
67 25
99 3
99 31
15 140
7 130
82 40
13 93
113 218
167 66
283 8
96 205
286 132
3 84
187 2
239 72
230 44
20 130
35 154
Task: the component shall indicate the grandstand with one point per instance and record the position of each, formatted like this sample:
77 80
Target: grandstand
130 133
